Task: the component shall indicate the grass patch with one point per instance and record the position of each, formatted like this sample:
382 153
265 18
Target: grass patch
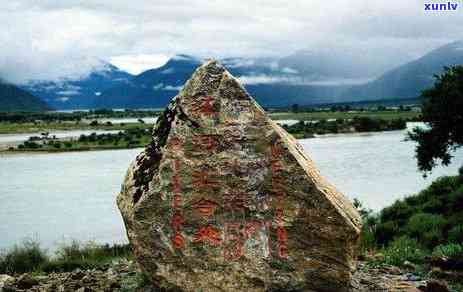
404 249
26 257
30 257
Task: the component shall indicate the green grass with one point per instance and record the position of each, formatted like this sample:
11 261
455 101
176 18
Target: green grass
30 257
325 115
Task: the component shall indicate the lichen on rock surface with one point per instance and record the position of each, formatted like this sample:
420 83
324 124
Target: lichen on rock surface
223 199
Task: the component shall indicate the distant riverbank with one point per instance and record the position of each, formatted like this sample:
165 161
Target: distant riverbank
139 136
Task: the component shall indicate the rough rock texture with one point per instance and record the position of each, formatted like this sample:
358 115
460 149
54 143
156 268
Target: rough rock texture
223 199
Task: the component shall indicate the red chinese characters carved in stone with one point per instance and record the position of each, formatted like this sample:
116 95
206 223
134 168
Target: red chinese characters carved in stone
177 201
177 219
205 208
208 234
277 186
176 143
178 240
233 241
236 202
252 228
277 151
204 106
282 238
205 143
203 179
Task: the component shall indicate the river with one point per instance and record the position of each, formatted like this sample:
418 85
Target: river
58 197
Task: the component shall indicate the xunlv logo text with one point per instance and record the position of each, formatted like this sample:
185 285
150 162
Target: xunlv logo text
449 6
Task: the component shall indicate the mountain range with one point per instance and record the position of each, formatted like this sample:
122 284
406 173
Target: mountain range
303 78
410 79
13 98
80 93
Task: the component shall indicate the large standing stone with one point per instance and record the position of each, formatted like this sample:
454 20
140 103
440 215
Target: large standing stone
223 199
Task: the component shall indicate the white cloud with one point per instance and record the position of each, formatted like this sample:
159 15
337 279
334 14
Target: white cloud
162 86
135 64
289 70
51 39
68 92
172 88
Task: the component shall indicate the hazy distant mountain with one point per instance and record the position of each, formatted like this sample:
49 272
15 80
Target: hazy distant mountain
13 98
79 93
305 77
151 89
410 79
336 63
266 79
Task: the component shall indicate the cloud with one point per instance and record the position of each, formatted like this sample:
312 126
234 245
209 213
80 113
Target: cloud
162 86
289 70
51 39
69 92
135 64
172 88
267 79
62 99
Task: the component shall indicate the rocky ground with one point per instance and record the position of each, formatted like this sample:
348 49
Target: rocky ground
124 276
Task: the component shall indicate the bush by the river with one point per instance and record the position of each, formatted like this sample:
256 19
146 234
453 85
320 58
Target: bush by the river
426 224
29 256
307 129
130 138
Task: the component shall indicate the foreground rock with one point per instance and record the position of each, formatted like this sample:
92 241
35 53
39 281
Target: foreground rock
124 276
223 199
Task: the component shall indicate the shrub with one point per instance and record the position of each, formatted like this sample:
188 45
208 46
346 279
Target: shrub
31 145
456 199
403 249
386 231
369 221
23 258
428 228
91 251
451 250
456 234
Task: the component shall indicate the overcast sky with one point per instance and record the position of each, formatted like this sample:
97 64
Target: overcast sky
49 39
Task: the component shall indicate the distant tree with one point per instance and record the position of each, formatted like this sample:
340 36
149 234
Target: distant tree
442 111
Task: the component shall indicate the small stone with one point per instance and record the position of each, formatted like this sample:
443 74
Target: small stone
25 281
409 266
112 284
411 277
436 286
77 274
84 289
393 270
6 280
